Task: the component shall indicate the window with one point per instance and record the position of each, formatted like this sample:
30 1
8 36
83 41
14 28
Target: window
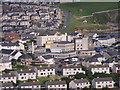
41 73
22 77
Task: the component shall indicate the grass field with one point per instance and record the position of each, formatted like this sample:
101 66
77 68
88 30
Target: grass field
87 9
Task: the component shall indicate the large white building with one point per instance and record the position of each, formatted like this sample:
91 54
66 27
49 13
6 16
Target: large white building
42 40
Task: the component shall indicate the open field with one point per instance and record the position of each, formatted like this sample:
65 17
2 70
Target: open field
84 9
88 7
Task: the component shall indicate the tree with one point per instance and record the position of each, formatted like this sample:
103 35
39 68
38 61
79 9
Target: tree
79 76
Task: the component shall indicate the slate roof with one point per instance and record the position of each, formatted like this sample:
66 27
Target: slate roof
8 75
25 56
55 82
103 79
81 81
117 65
45 67
47 56
26 71
10 44
7 85
97 56
99 66
72 66
5 51
29 83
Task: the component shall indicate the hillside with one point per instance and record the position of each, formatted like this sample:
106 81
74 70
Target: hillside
87 8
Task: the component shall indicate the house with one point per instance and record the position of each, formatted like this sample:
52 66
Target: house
99 57
45 71
7 86
80 83
61 85
81 43
29 85
13 37
15 55
48 59
116 68
25 74
111 61
99 69
71 70
5 63
12 46
90 61
106 82
26 59
106 41
8 77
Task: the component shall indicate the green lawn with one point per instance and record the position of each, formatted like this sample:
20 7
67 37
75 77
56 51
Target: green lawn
18 67
88 7
76 24
42 80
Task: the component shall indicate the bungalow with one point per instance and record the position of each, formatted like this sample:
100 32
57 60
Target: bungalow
45 71
8 77
90 61
111 61
80 83
61 85
99 69
99 57
7 86
25 59
25 74
106 82
116 68
5 63
71 70
48 59
29 85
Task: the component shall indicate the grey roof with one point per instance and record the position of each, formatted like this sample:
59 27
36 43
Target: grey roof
81 81
25 56
98 66
43 67
103 79
47 56
7 85
5 51
26 71
117 65
29 83
55 82
8 75
63 42
97 56
72 66
4 59
10 44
